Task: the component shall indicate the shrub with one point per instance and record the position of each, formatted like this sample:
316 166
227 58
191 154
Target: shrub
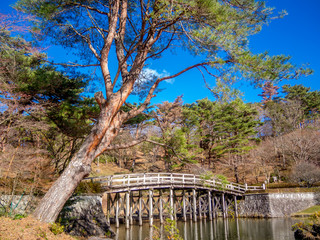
305 174
283 185
19 216
88 187
210 176
56 228
170 229
308 229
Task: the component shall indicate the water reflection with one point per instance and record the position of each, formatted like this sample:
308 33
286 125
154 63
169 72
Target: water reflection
218 229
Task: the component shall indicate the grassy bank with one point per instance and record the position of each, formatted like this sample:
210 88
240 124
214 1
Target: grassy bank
307 212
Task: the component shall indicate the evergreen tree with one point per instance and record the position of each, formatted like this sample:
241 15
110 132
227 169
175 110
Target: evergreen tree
38 101
177 148
269 90
199 118
236 125
309 100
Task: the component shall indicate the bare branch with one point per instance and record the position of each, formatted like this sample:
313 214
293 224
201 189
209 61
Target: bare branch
165 48
88 41
119 41
136 111
127 145
71 64
90 8
94 23
113 19
185 70
132 48
165 145
204 79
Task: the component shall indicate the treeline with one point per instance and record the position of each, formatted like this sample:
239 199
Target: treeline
248 141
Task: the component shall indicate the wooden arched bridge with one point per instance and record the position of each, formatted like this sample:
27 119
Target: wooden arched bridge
140 196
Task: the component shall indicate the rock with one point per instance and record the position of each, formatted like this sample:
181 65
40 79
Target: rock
18 204
83 216
298 234
316 229
302 234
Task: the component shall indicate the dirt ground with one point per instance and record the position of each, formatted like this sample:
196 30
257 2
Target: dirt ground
28 229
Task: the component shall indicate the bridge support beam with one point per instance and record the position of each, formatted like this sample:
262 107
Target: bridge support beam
171 204
200 207
223 206
127 209
131 206
117 209
184 206
150 207
140 208
235 206
190 206
174 206
213 208
209 205
108 208
194 205
160 206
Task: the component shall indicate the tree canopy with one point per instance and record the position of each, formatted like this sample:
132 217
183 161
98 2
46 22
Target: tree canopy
142 31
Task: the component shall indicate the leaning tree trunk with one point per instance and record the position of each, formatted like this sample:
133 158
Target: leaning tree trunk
79 167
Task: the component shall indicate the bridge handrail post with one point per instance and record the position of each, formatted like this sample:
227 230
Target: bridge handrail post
246 186
144 178
264 186
109 181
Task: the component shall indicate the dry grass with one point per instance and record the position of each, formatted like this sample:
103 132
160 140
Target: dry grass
105 169
293 190
28 229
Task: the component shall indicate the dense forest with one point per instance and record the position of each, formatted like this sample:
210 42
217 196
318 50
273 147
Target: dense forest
53 131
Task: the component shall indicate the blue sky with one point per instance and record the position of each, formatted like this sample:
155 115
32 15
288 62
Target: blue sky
297 34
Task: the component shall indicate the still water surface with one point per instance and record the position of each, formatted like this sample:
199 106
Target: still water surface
231 229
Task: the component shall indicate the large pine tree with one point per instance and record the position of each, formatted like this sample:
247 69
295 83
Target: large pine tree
236 124
133 34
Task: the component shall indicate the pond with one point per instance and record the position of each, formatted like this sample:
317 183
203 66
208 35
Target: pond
219 229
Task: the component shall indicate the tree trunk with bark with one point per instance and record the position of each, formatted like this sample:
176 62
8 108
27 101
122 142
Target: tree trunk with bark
80 166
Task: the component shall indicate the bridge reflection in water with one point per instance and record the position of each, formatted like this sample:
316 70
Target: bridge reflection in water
218 229
145 196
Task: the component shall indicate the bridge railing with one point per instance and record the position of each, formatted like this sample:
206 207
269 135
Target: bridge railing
180 179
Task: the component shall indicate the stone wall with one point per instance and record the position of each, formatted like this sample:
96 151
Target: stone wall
276 204
17 204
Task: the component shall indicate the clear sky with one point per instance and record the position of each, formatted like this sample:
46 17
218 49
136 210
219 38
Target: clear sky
297 35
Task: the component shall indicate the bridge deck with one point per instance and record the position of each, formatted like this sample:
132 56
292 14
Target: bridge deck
143 181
